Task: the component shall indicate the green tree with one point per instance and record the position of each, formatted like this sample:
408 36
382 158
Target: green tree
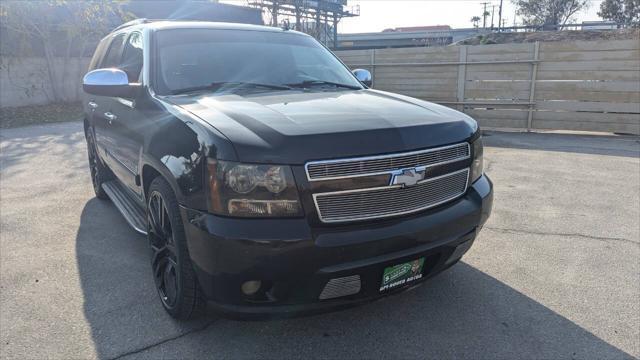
484 18
476 20
549 12
46 22
626 12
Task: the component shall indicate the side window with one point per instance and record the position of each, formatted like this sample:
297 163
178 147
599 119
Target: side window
112 58
132 57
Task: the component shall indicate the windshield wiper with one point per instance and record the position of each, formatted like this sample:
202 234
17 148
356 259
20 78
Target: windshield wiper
308 83
232 85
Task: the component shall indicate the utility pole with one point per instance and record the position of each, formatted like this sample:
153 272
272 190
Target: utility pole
484 14
335 30
318 19
297 5
274 14
493 11
500 16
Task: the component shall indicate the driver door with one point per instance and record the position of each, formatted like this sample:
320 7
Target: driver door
128 124
101 105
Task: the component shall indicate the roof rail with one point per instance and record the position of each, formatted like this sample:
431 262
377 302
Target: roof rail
134 22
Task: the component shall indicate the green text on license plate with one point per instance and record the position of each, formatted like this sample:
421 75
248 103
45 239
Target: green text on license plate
401 274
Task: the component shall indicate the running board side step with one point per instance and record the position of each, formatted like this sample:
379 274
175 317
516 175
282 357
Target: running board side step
128 207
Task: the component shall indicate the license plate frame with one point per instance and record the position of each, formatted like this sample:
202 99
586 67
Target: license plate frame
401 274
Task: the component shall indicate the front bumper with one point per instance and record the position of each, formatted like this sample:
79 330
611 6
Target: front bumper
295 261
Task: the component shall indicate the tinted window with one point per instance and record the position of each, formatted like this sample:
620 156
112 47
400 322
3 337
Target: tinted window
132 57
198 57
112 59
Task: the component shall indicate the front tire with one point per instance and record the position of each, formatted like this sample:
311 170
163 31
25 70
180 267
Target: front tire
173 271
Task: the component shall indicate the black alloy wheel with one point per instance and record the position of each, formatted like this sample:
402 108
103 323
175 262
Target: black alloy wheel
164 259
170 262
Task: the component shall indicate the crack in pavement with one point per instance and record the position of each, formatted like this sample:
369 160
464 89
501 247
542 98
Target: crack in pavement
600 238
164 341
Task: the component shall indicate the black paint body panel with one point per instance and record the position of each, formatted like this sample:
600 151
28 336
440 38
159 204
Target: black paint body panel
298 258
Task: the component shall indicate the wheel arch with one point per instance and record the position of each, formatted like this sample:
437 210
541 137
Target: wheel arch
152 170
149 173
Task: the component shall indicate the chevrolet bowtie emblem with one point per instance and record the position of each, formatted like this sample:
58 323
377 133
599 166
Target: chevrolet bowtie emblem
408 177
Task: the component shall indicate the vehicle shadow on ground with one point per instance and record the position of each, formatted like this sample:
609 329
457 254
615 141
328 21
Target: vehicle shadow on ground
461 313
626 146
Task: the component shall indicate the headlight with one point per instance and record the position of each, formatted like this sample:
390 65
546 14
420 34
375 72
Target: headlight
477 167
251 190
242 178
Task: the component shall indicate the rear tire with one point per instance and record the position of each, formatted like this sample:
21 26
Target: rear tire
173 271
99 173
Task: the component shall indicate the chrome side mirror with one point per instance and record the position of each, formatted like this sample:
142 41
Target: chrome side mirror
364 76
109 82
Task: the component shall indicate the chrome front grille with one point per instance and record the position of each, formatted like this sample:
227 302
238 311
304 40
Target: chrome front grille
372 203
375 165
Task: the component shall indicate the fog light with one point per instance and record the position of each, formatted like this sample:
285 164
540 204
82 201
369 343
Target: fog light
251 287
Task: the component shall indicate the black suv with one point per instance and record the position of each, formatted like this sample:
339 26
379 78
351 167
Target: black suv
268 178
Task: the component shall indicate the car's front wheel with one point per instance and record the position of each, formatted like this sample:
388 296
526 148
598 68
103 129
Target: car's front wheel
173 271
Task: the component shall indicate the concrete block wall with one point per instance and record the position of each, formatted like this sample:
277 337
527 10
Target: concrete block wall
25 80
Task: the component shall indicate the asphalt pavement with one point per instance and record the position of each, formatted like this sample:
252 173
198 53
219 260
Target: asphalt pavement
554 274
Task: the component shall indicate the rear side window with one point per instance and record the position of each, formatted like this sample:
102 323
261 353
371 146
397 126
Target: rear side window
132 57
112 59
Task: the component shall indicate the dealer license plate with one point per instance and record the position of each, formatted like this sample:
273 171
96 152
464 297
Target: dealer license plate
401 274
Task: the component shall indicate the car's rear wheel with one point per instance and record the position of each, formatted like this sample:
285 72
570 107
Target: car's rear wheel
99 173
170 261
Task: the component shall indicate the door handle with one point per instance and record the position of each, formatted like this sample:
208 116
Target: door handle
110 116
92 105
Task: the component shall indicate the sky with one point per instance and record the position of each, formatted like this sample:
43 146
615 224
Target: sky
377 15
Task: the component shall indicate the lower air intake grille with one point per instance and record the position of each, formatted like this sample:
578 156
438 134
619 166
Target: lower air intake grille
392 200
339 287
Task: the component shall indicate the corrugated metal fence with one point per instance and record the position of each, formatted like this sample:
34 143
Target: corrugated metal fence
587 85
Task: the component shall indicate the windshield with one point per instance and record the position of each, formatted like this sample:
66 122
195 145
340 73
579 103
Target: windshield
197 58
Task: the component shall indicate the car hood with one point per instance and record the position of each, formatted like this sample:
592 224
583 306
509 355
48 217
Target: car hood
293 127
